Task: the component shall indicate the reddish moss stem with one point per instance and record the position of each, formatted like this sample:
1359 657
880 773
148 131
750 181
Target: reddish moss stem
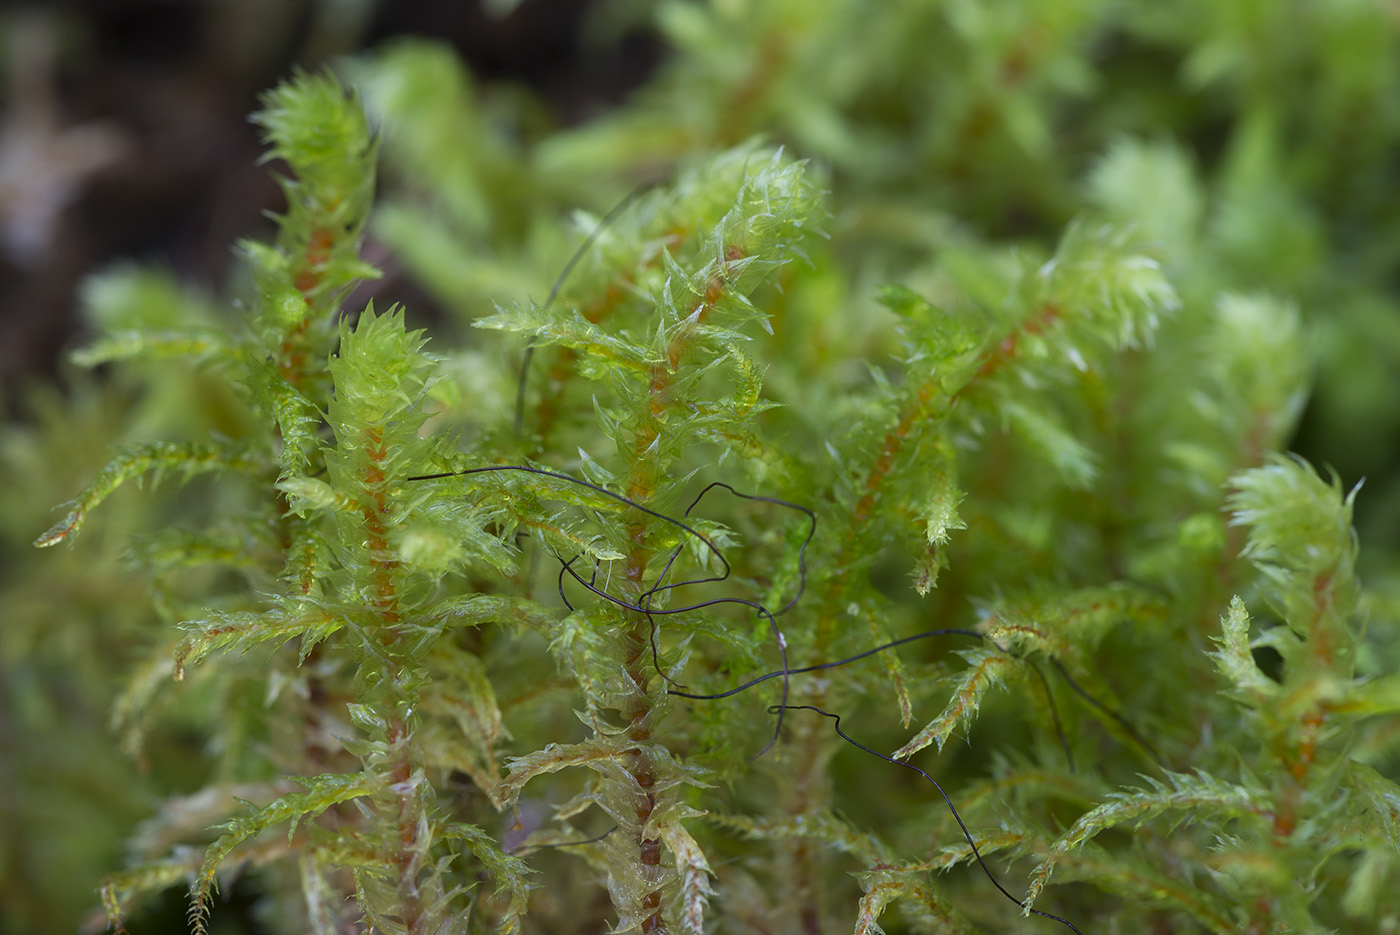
406 812
547 412
1298 760
643 476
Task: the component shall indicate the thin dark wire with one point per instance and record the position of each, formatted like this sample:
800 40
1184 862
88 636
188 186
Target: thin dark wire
1054 713
951 808
1117 718
521 388
522 385
643 605
526 848
1078 689
564 567
949 631
649 611
832 665
625 501
801 552
645 599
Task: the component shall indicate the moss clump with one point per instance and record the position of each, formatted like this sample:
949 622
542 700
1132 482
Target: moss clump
938 418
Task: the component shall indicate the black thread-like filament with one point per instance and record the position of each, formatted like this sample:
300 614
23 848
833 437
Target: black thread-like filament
644 605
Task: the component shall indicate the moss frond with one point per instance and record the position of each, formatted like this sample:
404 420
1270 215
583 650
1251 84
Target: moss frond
153 460
1189 796
322 792
985 669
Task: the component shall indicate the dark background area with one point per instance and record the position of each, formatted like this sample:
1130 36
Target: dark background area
124 130
124 135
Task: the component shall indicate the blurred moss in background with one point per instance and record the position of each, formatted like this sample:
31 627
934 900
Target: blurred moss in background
1261 138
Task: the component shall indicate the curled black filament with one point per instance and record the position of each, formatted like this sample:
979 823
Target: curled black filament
755 498
831 665
527 847
836 718
1074 685
946 631
644 603
1117 718
522 385
645 599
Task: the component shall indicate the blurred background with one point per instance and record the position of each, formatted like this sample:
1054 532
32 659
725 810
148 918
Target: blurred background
125 132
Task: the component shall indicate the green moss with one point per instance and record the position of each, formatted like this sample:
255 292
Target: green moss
429 650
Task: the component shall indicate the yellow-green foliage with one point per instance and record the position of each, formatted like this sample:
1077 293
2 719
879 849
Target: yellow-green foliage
441 635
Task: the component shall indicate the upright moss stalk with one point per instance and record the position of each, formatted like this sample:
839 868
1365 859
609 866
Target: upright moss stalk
751 211
361 558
